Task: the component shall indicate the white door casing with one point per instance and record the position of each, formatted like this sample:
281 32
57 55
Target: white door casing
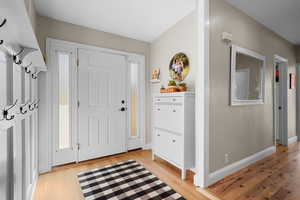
102 126
280 99
78 140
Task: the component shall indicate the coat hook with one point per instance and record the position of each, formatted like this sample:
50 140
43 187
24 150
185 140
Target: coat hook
1 42
27 70
3 22
36 105
5 112
15 57
22 108
34 76
31 106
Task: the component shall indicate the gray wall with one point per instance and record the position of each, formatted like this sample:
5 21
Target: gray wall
181 37
242 130
298 90
30 7
73 33
298 53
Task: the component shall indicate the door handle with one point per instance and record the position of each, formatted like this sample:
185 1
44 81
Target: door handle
123 109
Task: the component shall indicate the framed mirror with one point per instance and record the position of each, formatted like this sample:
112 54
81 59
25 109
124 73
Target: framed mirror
247 77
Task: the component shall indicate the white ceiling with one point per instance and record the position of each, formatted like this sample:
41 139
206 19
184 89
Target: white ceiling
138 19
281 16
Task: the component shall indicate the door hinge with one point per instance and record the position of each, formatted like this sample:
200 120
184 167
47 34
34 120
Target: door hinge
77 62
78 146
78 104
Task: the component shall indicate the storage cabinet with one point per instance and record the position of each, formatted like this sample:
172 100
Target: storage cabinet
173 129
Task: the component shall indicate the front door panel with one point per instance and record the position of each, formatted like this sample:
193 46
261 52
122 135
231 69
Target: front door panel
101 90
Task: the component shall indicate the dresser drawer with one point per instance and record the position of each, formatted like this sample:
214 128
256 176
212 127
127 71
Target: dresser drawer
170 100
169 117
169 145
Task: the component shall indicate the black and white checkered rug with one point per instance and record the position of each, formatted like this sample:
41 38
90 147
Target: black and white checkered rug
127 181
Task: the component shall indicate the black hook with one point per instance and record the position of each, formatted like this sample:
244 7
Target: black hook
36 105
34 76
3 22
27 70
5 115
31 106
19 62
1 42
22 108
5 112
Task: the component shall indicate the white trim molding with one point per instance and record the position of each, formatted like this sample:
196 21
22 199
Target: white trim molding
33 188
221 173
292 140
233 70
147 146
202 97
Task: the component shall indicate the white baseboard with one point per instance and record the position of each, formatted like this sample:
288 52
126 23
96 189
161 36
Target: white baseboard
293 140
147 147
196 180
221 173
32 188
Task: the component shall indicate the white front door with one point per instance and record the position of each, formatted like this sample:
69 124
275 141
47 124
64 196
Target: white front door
102 95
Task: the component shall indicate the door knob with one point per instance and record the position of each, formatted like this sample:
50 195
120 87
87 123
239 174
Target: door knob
122 109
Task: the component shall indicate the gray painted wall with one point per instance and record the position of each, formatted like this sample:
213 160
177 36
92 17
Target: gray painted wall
298 53
182 37
242 130
298 90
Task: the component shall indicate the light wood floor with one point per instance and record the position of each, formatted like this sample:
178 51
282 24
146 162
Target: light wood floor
62 184
274 178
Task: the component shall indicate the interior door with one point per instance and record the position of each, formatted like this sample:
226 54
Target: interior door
102 95
283 104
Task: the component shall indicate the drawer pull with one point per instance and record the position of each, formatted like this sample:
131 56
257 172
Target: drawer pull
158 135
158 109
174 110
173 141
174 99
158 99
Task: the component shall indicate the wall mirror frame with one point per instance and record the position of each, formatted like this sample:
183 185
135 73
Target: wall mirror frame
247 77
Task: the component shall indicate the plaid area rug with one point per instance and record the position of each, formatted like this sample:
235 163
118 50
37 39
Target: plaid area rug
127 181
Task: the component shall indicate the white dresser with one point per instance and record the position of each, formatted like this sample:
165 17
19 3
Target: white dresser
173 129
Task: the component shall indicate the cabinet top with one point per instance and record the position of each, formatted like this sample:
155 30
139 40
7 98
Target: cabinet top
174 94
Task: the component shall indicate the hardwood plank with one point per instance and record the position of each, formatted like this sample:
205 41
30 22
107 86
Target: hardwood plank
62 184
274 177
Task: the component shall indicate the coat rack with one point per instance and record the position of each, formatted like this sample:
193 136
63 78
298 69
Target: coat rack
18 56
23 110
